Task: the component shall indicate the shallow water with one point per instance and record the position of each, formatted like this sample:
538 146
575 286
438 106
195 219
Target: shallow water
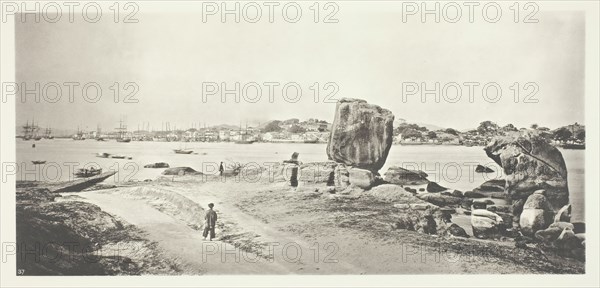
450 166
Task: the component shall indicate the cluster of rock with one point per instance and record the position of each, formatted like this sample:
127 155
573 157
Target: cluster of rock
530 163
535 185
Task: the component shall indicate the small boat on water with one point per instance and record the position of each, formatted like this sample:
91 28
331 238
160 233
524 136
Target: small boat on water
183 151
244 142
102 155
38 162
108 155
84 172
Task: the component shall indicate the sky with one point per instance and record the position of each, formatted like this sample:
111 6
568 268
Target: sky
369 54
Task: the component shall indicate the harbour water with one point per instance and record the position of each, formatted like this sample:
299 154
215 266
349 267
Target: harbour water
450 166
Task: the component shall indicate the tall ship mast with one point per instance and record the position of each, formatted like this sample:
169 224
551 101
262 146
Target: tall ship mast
48 133
244 136
122 133
30 131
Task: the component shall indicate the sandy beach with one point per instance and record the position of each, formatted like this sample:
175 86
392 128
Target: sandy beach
267 228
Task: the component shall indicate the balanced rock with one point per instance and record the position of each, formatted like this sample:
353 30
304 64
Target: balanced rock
400 176
530 163
537 213
361 134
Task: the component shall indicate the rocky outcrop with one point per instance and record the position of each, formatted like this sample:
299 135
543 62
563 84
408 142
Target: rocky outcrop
530 163
561 237
361 135
400 176
537 214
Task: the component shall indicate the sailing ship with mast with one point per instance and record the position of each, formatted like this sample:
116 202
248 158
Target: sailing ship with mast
122 133
79 135
244 136
30 131
48 133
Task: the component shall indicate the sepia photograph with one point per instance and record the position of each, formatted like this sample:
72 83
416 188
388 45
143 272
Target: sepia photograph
379 143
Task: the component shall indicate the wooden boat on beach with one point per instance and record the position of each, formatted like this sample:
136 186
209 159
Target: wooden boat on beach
38 162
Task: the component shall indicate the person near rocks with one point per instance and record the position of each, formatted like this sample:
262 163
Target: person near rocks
294 176
221 169
211 221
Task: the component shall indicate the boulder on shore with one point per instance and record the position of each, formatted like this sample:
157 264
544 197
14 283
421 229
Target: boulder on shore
400 176
181 171
483 169
361 178
564 214
433 187
439 199
361 135
530 163
393 193
537 214
472 194
486 224
157 165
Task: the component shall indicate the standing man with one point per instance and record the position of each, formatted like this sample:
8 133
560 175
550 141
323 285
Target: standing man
221 169
211 221
294 177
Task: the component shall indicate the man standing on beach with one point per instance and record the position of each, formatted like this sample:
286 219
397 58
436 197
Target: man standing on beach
211 221
221 169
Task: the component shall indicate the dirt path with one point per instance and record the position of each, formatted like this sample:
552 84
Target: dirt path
287 234
198 256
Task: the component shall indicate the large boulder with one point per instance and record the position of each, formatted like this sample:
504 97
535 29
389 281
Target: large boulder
537 214
439 199
433 187
157 165
564 214
361 178
180 171
318 172
486 224
530 163
394 193
361 135
400 176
